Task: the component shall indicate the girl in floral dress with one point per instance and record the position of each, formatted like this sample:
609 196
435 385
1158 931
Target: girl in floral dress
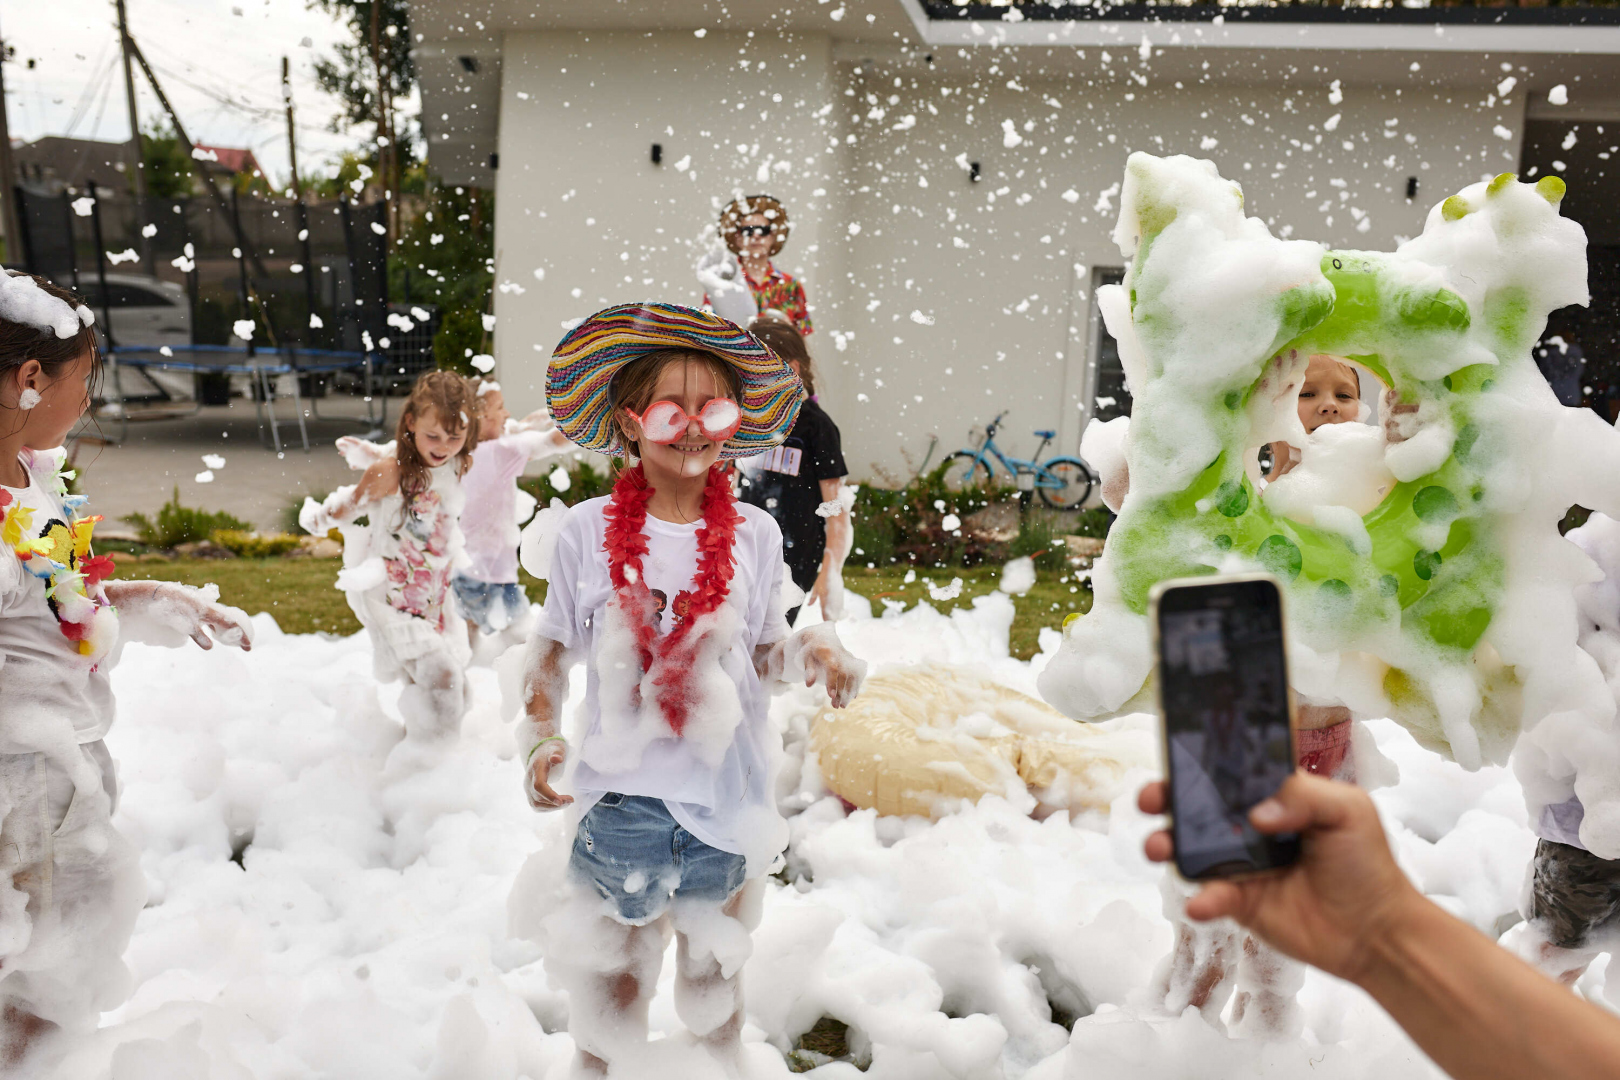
397 568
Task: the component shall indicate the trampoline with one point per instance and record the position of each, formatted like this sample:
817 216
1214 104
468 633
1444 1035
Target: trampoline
262 367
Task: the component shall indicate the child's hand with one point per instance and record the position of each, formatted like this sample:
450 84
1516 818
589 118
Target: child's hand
537 782
195 613
1400 420
831 665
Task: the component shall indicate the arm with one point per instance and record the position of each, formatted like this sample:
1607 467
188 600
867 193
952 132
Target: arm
545 687
195 613
347 503
838 540
815 655
1346 907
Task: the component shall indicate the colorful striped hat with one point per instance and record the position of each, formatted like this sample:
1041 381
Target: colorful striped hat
585 361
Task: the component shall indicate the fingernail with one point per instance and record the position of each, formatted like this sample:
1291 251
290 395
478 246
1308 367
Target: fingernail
1267 811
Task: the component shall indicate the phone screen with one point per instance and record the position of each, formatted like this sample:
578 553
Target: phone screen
1224 687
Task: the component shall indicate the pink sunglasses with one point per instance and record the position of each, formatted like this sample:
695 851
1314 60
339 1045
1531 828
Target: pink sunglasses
666 422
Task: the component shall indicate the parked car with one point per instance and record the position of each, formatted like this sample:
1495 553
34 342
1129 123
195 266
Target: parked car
143 310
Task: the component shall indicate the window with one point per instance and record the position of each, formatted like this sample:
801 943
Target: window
1109 396
123 295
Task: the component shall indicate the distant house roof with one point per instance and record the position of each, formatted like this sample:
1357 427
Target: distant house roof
54 163
228 159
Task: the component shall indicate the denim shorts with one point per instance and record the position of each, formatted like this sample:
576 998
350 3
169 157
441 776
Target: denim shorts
637 856
477 598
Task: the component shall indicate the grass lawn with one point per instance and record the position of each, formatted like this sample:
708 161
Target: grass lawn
301 596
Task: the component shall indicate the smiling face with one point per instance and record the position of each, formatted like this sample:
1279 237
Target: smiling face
690 383
1331 393
436 440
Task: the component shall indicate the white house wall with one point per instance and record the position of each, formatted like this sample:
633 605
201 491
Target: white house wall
969 297
579 200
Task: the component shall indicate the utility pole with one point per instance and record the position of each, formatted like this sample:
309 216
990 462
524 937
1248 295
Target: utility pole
299 208
137 160
209 186
385 141
8 178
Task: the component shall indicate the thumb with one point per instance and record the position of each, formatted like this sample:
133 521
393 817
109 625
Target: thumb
1305 802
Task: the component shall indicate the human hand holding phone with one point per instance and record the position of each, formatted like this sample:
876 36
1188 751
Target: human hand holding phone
1330 907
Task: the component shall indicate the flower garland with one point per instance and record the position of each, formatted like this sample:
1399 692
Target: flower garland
626 544
61 556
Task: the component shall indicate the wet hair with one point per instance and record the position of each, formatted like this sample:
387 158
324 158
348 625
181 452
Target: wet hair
452 400
22 342
632 387
784 339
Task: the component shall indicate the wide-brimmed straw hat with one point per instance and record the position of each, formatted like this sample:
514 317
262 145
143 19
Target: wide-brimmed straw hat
768 207
586 360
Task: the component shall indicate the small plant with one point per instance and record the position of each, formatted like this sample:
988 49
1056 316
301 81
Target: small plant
1094 523
585 481
1038 538
176 524
250 545
908 525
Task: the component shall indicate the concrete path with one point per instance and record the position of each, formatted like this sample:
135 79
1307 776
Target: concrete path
256 484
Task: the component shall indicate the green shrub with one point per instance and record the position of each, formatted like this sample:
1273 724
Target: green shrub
251 545
585 481
907 525
176 524
1094 523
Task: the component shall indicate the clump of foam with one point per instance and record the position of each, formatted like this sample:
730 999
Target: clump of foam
23 301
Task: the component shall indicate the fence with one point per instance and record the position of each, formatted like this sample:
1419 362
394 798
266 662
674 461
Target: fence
312 274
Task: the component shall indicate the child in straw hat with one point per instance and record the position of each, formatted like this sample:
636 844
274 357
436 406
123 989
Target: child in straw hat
670 591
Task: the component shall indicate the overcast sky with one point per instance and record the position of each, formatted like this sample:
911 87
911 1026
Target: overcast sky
221 70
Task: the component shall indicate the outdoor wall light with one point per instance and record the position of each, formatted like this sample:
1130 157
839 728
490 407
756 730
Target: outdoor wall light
973 172
658 153
1411 188
469 64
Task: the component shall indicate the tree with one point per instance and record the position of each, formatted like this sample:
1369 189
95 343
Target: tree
447 254
169 172
352 76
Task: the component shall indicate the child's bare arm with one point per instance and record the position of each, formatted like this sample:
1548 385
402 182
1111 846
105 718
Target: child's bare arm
170 607
347 503
817 656
545 687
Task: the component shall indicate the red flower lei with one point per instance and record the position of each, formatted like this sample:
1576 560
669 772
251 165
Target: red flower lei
626 543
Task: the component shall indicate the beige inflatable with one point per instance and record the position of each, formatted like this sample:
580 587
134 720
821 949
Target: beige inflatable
918 739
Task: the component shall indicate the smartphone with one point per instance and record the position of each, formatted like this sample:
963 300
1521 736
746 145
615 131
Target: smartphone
1228 720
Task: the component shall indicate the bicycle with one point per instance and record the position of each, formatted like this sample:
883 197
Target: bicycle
1064 483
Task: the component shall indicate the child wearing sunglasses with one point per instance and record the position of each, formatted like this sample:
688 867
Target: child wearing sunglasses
670 592
754 228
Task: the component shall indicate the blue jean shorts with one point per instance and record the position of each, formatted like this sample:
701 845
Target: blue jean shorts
636 855
479 598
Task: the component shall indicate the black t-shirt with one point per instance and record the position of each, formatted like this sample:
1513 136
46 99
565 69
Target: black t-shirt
814 449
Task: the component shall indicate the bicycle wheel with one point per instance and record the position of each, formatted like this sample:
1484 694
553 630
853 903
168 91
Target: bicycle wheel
1065 483
967 471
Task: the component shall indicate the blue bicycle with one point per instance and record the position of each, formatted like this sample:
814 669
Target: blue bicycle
1064 482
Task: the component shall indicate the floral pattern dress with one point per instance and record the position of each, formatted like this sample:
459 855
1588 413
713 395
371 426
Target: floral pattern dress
397 573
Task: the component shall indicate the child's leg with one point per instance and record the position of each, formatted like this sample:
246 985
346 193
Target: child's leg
1267 984
712 944
435 697
1572 907
1199 970
607 1008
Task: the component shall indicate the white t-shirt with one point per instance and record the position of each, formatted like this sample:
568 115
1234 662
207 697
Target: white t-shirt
729 805
43 679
